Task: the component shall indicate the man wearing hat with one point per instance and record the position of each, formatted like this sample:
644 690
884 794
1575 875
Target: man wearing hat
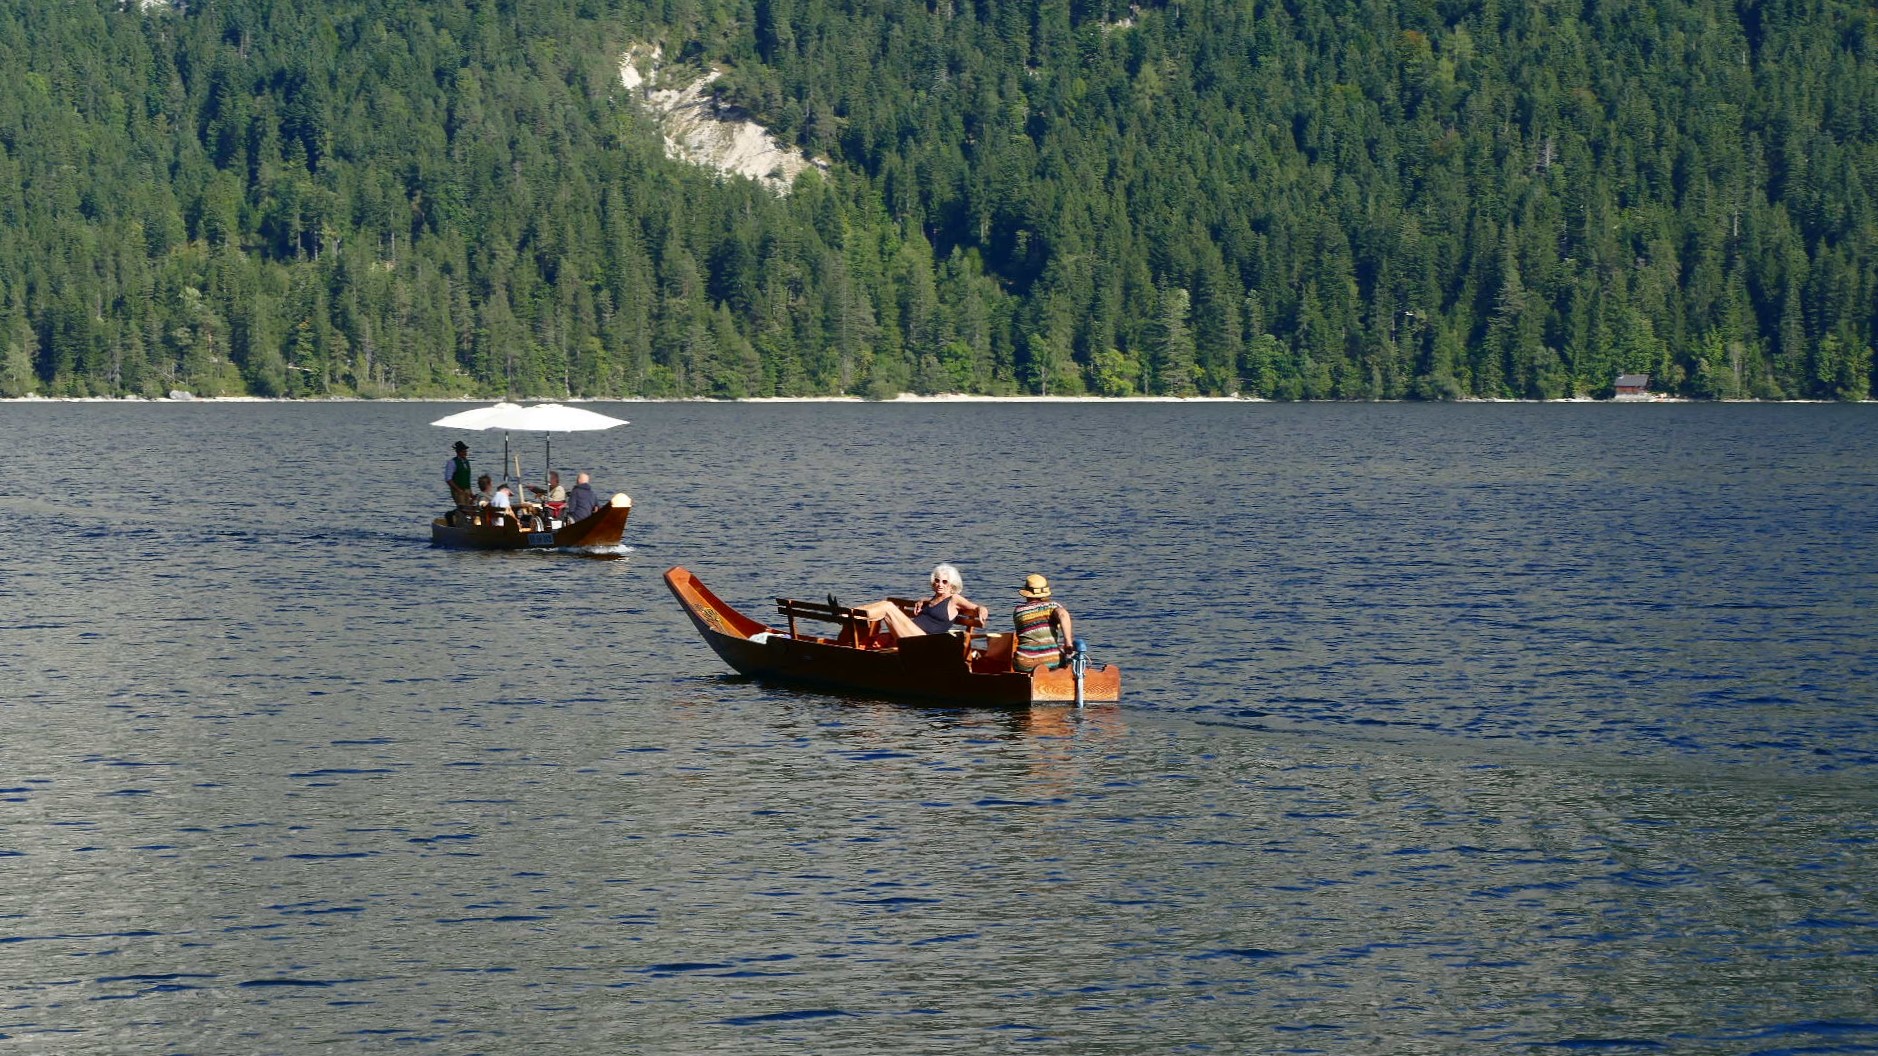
1044 634
456 473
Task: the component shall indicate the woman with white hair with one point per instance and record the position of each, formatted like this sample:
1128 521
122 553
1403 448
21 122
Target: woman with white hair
932 615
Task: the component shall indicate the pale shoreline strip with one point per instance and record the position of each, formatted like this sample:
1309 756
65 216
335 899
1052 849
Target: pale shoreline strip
903 399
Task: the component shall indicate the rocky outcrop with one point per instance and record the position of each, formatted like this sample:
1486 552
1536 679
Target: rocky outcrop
700 131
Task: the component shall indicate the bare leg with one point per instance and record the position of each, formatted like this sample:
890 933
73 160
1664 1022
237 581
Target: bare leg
898 622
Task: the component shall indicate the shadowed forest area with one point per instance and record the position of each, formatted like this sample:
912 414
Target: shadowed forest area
1312 199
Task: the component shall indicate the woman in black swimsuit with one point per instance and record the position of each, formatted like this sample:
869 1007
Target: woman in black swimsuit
932 615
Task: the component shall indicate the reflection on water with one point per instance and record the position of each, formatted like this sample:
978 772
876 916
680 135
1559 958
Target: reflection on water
1439 734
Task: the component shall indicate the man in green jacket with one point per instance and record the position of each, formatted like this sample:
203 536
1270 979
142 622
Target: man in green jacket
456 473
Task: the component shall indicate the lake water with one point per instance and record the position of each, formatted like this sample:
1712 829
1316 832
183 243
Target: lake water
1477 728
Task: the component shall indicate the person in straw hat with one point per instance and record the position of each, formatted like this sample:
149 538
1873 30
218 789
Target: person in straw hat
1045 637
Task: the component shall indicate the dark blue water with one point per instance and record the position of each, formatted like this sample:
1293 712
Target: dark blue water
1495 728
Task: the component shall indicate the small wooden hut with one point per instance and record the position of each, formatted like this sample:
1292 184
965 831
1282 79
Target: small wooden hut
1633 386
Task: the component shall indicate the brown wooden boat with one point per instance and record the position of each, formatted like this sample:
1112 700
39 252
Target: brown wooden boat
964 667
526 530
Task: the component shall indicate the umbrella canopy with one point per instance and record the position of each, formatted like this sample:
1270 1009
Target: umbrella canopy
541 418
478 417
558 418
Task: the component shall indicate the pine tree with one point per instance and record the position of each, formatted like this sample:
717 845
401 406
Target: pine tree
1171 348
17 353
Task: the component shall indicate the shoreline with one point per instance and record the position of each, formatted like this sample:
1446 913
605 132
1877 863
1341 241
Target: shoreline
903 398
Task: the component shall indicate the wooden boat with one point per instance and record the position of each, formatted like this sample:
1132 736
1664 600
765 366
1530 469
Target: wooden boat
965 666
524 530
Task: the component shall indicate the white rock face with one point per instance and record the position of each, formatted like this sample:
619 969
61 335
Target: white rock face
699 132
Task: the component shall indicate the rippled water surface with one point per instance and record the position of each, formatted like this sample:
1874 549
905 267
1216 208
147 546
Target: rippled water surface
1483 728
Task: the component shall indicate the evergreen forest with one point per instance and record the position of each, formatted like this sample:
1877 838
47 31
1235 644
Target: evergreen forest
1292 199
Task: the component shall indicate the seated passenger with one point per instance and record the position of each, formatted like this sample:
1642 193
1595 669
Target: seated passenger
581 501
552 492
932 615
1045 637
501 502
553 498
485 492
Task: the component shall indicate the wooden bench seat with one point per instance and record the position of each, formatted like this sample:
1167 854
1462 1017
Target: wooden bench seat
856 628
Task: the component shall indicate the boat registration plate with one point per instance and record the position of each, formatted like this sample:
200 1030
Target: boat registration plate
540 538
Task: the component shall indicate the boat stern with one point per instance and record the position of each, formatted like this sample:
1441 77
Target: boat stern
1101 684
602 527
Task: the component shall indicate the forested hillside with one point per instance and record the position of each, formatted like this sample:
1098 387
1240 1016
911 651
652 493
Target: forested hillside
1313 199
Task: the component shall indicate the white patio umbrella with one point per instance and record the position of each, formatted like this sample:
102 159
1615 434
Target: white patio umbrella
547 418
478 417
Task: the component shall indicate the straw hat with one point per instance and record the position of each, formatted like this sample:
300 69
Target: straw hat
1035 586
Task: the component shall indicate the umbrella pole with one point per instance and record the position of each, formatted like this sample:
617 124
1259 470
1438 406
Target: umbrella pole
547 464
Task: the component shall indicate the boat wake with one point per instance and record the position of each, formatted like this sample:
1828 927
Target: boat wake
604 553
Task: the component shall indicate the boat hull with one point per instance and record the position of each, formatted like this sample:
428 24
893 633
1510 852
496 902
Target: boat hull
934 667
603 527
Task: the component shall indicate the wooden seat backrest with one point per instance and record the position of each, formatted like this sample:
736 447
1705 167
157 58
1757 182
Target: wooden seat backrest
853 622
